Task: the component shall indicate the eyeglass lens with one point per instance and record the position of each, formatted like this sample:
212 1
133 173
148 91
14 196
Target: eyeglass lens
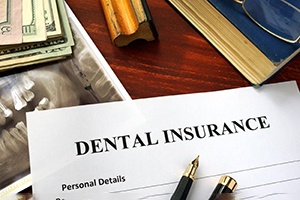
279 17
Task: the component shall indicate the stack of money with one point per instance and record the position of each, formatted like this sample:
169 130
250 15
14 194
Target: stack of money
33 31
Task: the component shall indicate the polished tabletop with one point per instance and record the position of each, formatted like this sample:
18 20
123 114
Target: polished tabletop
180 61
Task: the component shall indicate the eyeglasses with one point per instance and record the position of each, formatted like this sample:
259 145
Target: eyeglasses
281 18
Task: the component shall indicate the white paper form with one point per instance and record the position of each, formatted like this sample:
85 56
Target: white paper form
139 149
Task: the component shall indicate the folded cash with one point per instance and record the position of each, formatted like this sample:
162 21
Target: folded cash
33 31
10 22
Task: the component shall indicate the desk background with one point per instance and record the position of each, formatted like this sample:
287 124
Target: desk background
180 61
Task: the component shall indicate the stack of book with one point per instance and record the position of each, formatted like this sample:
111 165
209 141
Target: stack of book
33 31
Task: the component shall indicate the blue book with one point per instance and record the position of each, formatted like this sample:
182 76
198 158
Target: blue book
255 53
274 48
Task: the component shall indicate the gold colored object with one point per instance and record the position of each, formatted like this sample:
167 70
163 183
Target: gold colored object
191 169
128 20
228 182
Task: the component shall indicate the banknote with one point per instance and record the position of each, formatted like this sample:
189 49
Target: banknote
21 54
37 58
10 22
65 40
33 21
53 28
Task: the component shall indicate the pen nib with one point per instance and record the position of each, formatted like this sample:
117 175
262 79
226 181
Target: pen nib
191 169
196 161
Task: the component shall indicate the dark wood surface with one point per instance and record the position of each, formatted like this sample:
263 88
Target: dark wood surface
180 61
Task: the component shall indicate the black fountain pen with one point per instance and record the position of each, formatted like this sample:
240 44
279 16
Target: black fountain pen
226 185
186 181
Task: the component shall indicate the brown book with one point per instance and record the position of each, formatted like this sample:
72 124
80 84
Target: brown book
128 20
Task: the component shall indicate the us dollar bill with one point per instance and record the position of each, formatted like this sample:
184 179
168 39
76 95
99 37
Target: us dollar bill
53 28
38 57
33 27
14 56
10 22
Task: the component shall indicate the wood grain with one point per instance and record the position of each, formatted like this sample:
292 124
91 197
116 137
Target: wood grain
127 21
181 60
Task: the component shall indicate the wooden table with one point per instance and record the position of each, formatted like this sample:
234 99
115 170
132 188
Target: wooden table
180 61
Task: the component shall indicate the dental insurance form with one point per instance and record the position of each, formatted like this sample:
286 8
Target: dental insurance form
138 149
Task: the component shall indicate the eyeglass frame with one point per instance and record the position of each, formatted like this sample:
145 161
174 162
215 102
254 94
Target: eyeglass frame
272 33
